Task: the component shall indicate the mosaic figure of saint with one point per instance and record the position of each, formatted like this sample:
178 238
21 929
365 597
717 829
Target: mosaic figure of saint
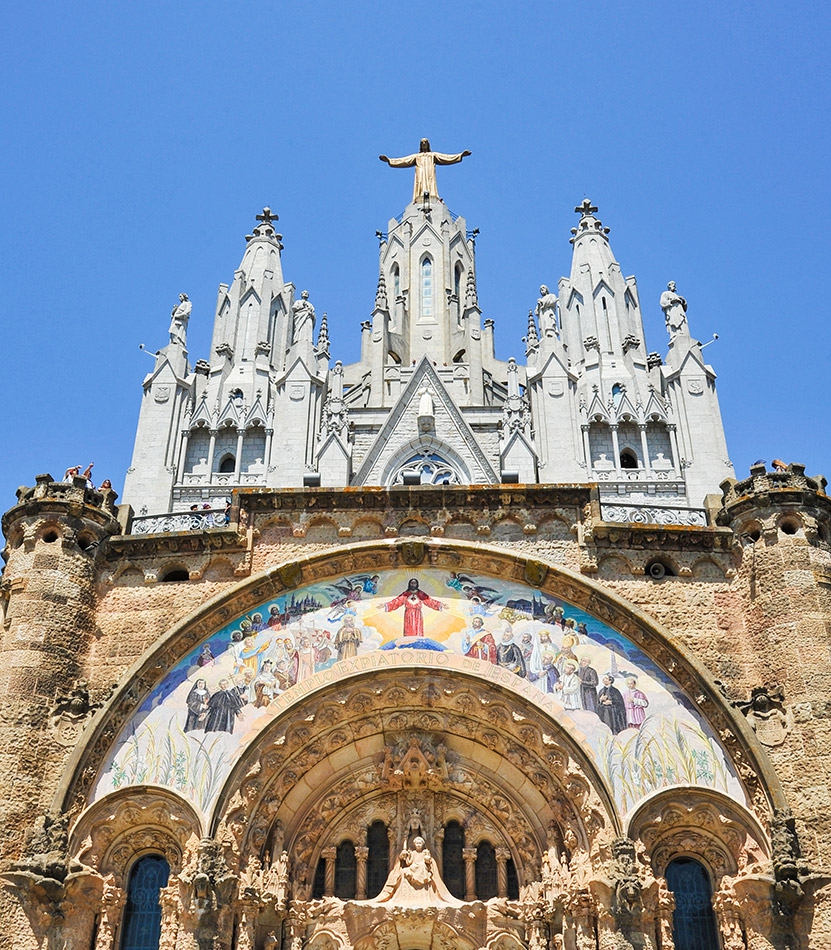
610 705
348 638
569 686
509 656
197 703
636 703
223 707
589 680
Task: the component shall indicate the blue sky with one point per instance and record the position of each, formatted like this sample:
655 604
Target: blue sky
140 140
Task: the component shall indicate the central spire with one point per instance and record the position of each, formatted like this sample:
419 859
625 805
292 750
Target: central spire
425 162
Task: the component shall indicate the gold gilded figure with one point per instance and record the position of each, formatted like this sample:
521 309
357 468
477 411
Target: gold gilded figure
425 163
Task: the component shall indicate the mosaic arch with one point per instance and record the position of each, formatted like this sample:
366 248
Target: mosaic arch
640 730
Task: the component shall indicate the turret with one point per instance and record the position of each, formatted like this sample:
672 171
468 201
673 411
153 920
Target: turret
781 521
47 601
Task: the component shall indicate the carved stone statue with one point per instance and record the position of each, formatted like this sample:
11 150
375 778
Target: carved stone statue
179 317
425 163
415 881
675 310
425 403
546 311
303 319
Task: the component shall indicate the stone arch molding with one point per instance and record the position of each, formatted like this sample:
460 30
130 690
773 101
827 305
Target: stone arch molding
550 581
414 748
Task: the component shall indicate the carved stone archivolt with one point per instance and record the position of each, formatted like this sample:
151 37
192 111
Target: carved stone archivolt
702 823
415 751
122 826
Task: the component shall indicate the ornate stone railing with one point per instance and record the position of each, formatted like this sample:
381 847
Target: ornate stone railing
180 521
638 475
653 514
222 479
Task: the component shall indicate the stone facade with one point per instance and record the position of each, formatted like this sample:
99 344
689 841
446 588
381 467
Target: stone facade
512 812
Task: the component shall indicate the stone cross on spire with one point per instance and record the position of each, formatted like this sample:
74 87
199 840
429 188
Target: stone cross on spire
586 208
425 163
267 216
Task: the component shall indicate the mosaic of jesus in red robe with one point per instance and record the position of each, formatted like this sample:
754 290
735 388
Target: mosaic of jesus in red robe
412 600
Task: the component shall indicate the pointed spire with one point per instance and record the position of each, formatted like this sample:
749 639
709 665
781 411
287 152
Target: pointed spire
323 335
471 299
381 294
532 339
588 222
265 229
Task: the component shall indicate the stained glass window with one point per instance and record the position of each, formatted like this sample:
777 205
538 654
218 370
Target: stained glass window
378 860
486 884
346 871
453 865
426 287
143 912
693 921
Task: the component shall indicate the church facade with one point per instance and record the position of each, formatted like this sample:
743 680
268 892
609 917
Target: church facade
432 650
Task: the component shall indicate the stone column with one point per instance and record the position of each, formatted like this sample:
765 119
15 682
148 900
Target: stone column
294 937
171 904
183 454
361 854
663 915
211 451
586 448
269 436
238 461
644 447
536 933
502 856
583 919
615 447
328 855
246 931
438 857
676 458
469 855
112 905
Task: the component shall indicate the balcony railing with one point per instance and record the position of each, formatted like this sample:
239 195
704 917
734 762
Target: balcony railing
654 514
178 521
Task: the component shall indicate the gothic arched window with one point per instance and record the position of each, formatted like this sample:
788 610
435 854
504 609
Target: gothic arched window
693 920
346 871
319 882
396 282
628 459
452 861
426 469
143 912
427 287
227 465
513 881
486 883
378 859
